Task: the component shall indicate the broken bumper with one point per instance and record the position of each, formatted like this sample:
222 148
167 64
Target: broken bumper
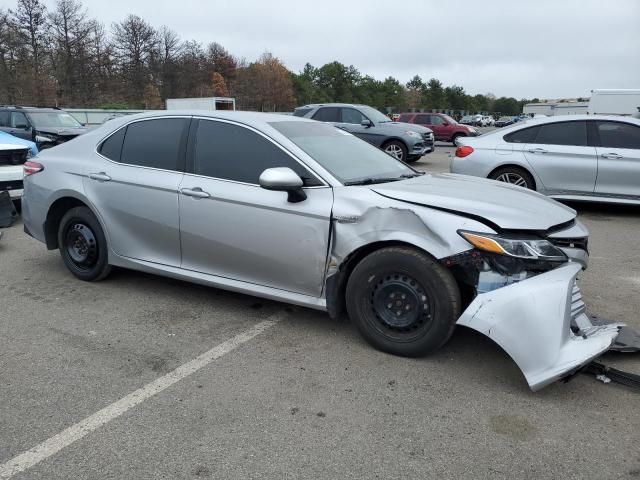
532 321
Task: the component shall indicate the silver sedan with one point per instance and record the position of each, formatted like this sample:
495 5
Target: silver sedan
299 211
571 157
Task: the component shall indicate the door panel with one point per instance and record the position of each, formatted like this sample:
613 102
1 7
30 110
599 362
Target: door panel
618 158
139 208
246 233
561 158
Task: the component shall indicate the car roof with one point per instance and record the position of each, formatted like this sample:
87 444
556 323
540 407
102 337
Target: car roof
19 108
564 118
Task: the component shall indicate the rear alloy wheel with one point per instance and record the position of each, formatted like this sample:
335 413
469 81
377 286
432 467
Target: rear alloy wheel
396 149
402 301
82 245
514 176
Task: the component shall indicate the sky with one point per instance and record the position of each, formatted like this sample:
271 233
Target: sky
519 48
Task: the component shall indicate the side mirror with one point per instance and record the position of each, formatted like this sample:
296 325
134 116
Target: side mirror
283 179
445 123
366 123
22 126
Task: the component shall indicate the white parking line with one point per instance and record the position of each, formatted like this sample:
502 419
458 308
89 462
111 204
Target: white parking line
53 445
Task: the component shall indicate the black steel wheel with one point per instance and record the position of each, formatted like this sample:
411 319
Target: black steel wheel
82 245
403 301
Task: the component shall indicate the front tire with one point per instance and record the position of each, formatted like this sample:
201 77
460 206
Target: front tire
403 301
396 149
83 245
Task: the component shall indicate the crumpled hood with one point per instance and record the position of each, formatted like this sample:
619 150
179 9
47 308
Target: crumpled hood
507 206
64 131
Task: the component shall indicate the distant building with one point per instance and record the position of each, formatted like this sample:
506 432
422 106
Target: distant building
551 108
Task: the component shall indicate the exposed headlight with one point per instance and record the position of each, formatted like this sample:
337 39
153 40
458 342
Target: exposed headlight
42 138
526 248
413 134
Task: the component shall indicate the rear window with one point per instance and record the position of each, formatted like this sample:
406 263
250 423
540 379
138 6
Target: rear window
526 135
327 114
301 112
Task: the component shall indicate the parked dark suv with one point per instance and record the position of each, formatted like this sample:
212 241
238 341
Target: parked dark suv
445 128
45 126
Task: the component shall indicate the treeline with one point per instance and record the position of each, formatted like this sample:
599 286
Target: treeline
66 58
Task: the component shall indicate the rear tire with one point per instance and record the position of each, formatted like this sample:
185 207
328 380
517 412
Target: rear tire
396 149
403 301
83 245
514 176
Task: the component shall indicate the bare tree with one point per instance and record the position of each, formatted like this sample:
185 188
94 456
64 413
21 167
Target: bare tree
30 20
135 46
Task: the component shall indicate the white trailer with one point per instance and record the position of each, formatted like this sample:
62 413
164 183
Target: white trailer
615 102
205 103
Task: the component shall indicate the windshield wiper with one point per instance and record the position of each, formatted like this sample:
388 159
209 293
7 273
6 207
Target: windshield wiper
371 181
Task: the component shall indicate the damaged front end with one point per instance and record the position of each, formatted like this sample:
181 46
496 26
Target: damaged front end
531 305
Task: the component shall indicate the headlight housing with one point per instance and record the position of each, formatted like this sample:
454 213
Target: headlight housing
526 248
42 138
413 134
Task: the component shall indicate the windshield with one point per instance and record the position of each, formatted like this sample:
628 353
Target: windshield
346 157
374 115
54 120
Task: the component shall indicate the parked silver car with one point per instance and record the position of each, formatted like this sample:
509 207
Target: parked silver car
405 141
570 157
299 211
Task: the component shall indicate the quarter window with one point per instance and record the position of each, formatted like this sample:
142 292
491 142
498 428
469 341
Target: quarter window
327 114
231 152
526 135
155 143
619 135
563 133
112 146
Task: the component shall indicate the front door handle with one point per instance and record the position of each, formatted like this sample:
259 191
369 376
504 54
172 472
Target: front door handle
537 150
101 177
611 156
195 192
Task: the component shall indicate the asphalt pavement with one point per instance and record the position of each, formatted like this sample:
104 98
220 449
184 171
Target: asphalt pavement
89 388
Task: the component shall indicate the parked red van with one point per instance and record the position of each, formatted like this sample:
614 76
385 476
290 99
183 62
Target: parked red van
445 128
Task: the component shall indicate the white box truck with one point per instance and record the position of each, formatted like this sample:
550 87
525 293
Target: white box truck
615 102
205 103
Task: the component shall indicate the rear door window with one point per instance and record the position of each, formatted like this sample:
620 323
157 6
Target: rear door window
157 143
619 135
4 119
301 112
526 135
405 118
423 119
327 114
563 133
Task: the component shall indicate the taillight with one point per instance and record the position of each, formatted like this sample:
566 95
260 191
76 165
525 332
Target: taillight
463 151
29 168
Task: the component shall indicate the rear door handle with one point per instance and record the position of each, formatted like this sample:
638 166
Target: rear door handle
611 156
537 150
195 192
101 177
